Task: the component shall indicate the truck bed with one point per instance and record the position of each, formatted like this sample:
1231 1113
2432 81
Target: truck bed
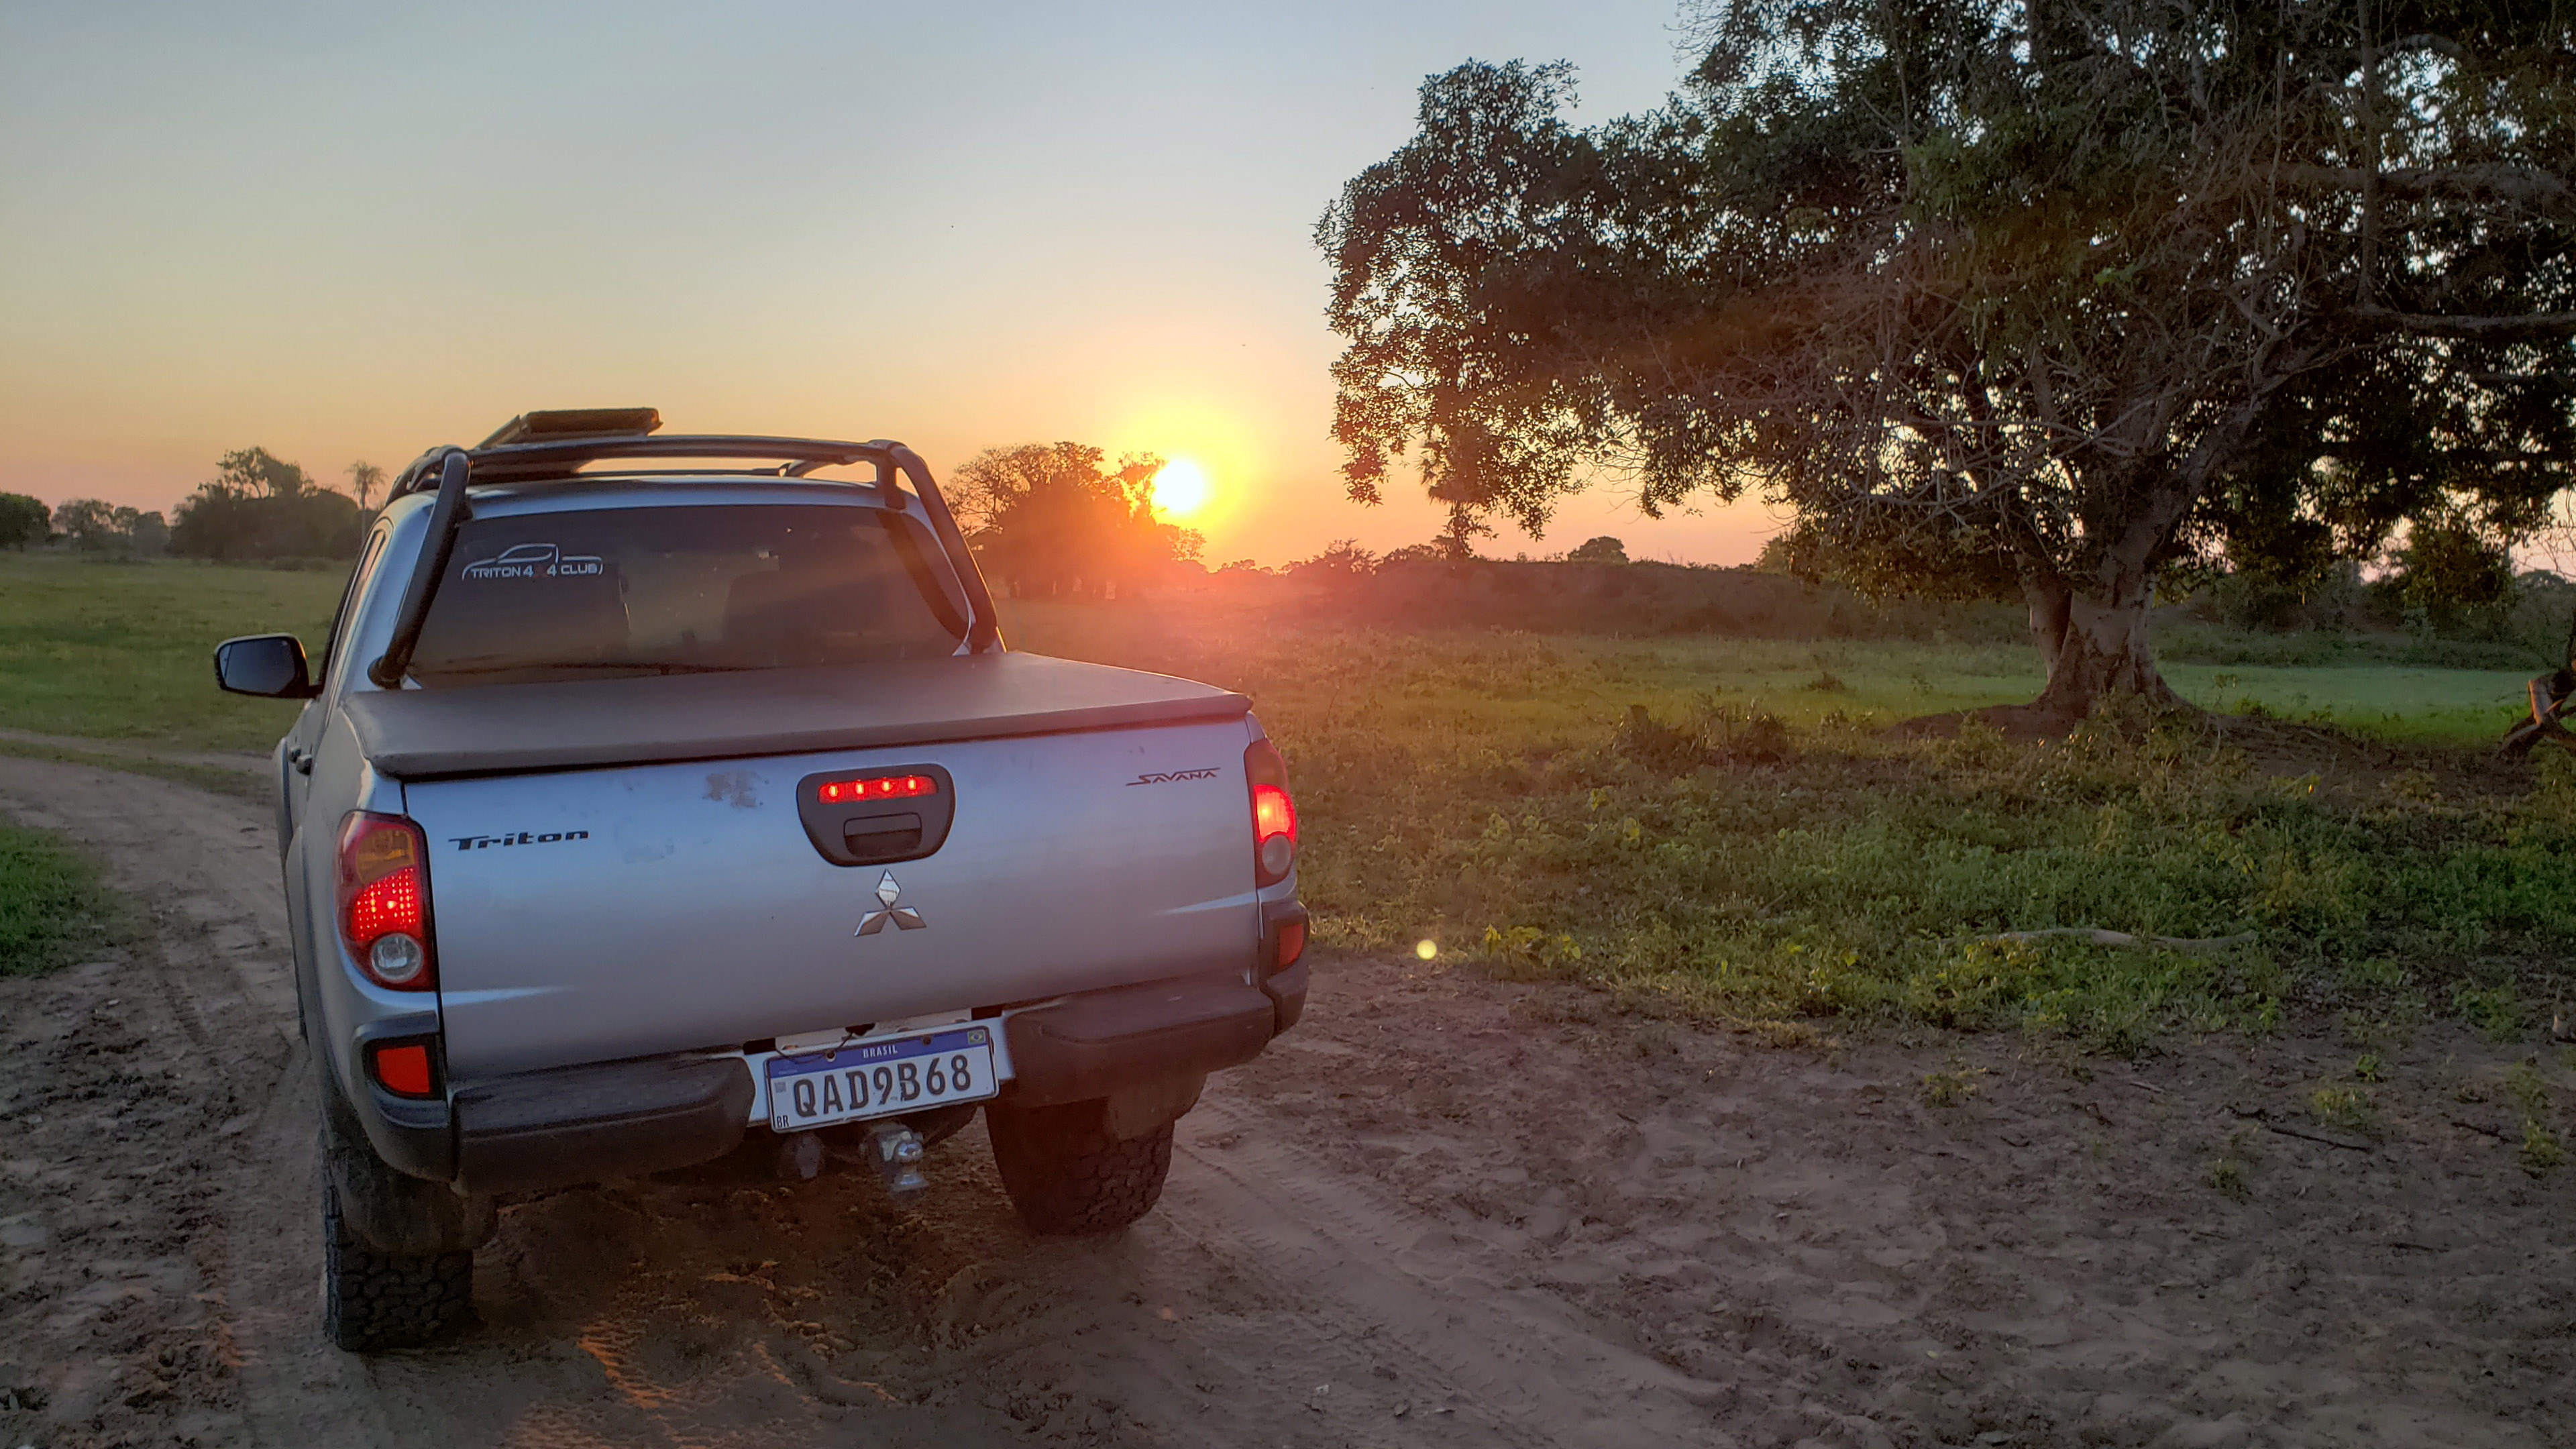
429 734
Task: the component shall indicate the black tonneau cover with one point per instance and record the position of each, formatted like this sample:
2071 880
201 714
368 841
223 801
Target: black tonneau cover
427 734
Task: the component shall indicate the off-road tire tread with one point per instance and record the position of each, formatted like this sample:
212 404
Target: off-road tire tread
373 1301
1068 1176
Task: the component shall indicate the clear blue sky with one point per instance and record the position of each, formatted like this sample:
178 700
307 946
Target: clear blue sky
350 232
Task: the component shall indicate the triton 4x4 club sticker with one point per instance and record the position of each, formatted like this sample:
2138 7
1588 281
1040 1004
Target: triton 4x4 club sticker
534 561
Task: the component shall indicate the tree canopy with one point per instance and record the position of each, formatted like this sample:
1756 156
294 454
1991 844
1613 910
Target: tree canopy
96 526
364 479
1052 519
261 506
2055 298
23 520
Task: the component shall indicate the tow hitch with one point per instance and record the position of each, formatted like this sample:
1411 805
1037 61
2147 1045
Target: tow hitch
893 1149
896 1151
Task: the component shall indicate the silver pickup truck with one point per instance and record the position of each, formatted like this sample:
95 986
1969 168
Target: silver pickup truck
636 810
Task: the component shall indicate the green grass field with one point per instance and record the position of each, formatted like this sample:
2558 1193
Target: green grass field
126 651
1753 846
1573 682
122 651
1489 795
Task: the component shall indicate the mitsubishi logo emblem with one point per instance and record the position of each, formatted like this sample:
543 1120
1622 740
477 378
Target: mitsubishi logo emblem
904 917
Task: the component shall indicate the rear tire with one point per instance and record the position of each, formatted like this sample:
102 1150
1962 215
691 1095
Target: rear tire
374 1300
1068 1176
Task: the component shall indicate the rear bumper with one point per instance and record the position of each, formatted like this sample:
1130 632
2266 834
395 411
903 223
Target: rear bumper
542 1130
536 1131
1105 1041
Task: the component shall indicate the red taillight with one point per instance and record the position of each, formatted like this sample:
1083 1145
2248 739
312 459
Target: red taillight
1292 944
1274 815
404 1069
384 899
882 787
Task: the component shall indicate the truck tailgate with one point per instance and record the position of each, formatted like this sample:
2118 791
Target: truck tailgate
606 913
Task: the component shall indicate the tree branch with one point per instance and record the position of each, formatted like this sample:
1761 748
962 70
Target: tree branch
2493 181
2529 327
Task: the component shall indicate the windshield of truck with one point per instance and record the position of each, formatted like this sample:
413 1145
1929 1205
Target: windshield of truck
599 593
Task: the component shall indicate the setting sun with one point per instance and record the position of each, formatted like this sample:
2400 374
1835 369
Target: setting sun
1181 489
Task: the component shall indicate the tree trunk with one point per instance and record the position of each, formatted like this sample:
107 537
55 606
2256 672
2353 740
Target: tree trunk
2093 641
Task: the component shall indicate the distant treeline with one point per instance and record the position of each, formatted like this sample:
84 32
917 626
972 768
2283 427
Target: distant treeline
257 506
1593 588
2522 620
1634 600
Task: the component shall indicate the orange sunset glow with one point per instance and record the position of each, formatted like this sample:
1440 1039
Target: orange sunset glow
205 258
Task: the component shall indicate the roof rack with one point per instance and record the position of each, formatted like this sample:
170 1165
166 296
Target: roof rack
531 456
552 447
575 423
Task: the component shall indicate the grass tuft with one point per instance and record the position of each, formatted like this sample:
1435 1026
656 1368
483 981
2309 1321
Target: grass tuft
52 908
2231 1174
2541 1150
1949 1089
2346 1109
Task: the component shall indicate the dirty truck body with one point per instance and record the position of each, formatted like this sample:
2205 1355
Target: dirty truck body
632 815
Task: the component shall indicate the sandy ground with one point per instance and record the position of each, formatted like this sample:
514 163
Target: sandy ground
1444 1211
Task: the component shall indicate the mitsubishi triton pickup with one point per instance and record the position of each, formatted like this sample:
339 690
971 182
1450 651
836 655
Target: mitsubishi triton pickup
654 793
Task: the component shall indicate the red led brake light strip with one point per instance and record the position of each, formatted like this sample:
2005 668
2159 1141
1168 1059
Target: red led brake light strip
882 787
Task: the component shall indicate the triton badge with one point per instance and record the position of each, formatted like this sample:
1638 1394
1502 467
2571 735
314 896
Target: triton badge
904 917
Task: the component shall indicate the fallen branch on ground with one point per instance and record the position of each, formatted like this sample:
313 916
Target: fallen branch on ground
2348 1144
2188 945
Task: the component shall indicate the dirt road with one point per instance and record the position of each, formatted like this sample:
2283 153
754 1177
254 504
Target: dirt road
1443 1211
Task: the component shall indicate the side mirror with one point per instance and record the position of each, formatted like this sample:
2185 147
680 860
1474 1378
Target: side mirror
268 665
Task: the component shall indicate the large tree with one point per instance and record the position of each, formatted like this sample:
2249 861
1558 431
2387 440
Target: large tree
1056 518
259 505
2043 298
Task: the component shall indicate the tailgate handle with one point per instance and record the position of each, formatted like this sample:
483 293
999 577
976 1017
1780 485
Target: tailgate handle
883 838
879 814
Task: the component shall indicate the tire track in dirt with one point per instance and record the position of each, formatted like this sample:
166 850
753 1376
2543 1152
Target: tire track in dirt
1510 1357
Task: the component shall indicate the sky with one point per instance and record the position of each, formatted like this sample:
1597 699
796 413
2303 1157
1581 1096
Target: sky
347 232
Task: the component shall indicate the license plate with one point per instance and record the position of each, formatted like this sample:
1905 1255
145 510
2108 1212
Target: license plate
864 1079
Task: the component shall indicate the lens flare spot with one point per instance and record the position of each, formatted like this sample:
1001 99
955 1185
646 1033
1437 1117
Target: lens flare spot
1181 489
1426 949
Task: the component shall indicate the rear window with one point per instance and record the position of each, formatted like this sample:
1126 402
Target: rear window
600 593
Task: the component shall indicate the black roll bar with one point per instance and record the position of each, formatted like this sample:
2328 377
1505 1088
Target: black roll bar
445 516
984 627
554 460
